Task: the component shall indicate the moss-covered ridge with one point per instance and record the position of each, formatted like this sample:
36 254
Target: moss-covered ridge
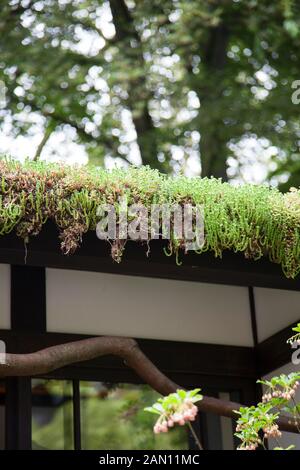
256 220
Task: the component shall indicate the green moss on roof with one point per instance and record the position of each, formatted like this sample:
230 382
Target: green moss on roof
256 220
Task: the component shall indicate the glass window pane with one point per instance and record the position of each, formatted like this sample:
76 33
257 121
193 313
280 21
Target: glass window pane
217 432
112 417
2 415
52 414
226 426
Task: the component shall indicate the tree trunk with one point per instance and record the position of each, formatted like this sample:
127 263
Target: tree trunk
209 88
139 95
213 156
213 147
47 133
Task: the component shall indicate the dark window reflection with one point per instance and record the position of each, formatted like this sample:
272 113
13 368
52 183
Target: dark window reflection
52 414
217 432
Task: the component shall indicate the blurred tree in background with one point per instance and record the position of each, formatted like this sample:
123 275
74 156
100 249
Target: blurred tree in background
111 418
182 85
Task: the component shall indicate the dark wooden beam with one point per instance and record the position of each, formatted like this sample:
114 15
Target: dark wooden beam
274 352
28 314
76 414
18 413
28 298
94 255
252 308
253 314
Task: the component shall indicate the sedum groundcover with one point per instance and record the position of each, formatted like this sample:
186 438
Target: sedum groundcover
255 220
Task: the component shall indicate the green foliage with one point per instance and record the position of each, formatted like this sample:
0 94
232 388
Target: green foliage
238 59
169 404
176 408
255 220
295 338
291 447
259 423
111 420
252 421
281 383
118 422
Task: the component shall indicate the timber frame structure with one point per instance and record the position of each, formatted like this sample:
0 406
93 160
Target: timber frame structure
229 368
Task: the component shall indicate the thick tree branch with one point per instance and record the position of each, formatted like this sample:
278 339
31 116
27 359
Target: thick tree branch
55 357
60 119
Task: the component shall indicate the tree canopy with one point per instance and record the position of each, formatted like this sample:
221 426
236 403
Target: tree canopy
179 85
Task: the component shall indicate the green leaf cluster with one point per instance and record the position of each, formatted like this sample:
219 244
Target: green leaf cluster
169 404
